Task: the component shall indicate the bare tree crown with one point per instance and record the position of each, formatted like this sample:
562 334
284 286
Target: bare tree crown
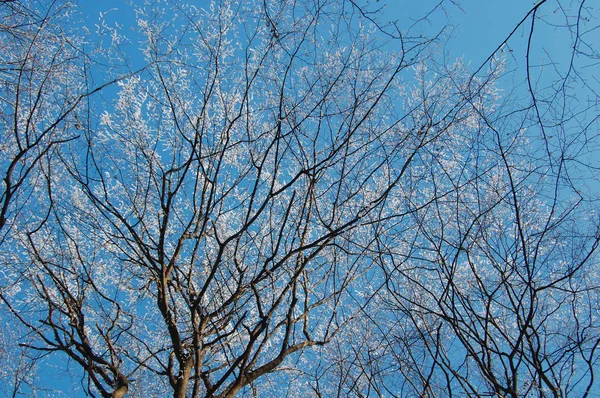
296 198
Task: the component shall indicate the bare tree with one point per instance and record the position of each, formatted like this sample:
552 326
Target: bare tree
489 287
44 84
40 86
281 201
212 225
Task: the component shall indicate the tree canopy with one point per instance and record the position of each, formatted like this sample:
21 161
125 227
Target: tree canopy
297 198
